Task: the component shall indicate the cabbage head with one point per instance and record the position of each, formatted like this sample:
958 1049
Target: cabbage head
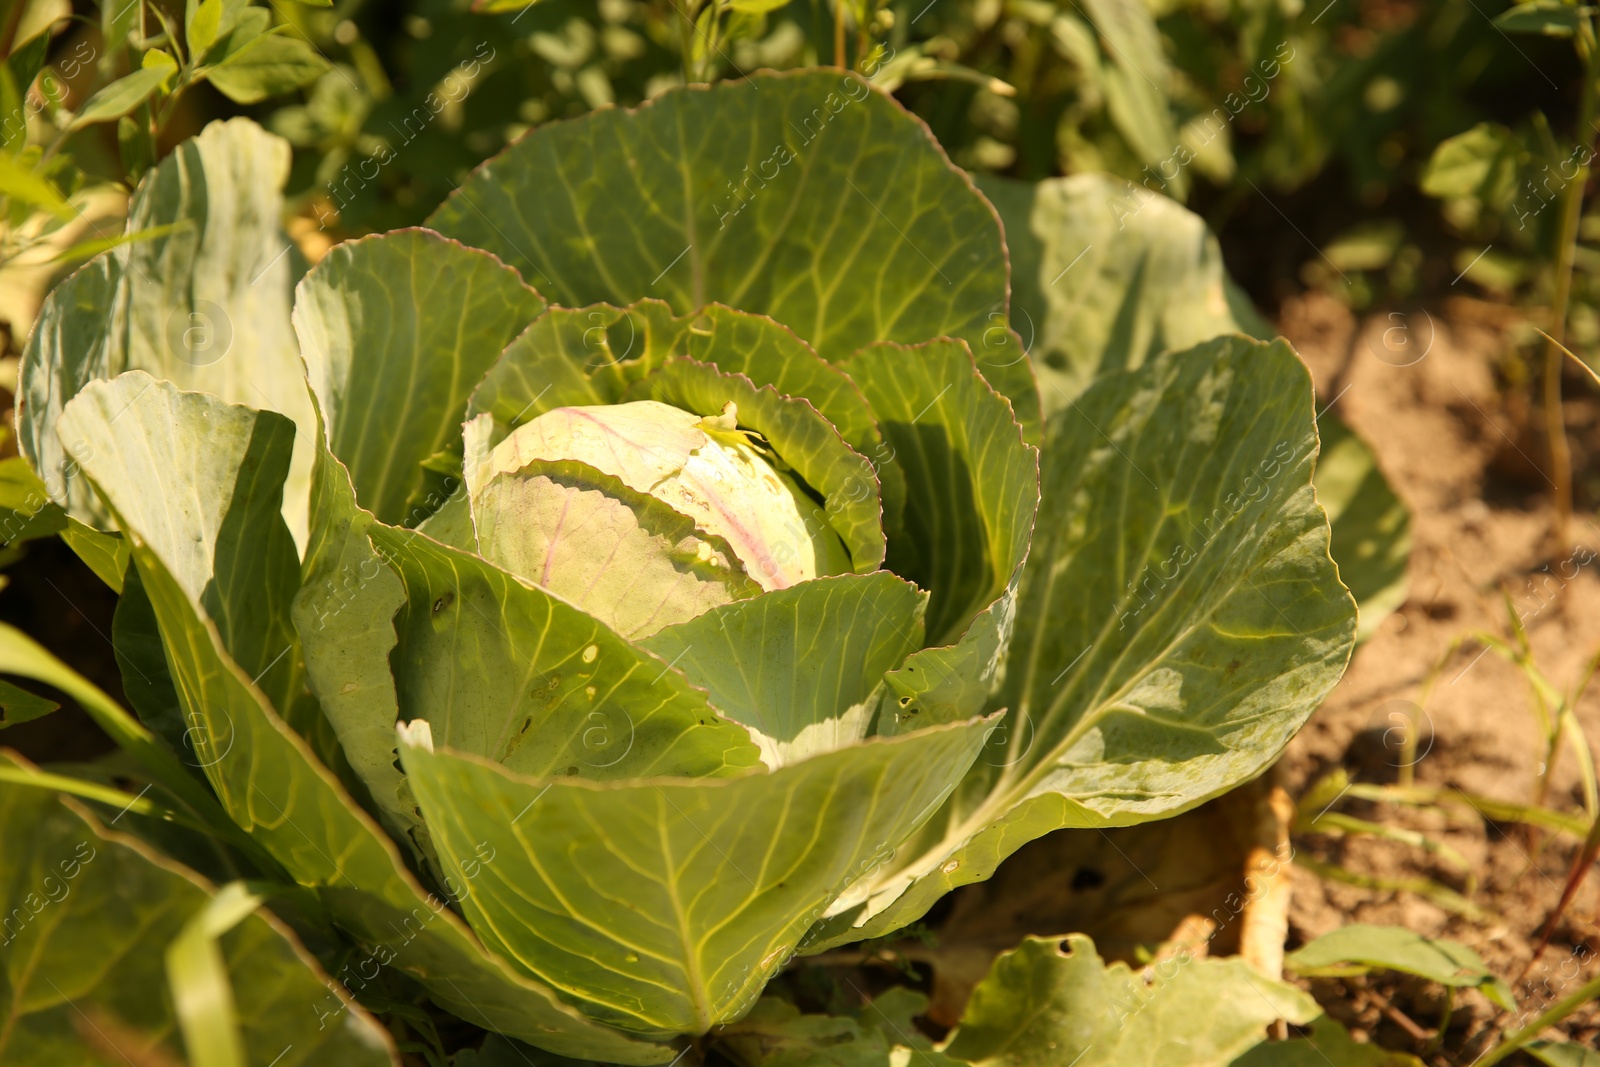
658 567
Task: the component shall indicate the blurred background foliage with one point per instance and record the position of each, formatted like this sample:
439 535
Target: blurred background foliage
1384 150
1328 144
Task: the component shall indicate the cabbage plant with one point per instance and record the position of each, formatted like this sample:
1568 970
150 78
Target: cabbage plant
657 569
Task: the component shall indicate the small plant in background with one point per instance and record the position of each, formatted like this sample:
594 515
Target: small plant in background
1525 190
233 47
1408 736
1554 708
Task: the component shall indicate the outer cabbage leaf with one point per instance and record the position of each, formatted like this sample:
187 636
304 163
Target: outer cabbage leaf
237 562
205 305
146 682
808 197
664 906
1179 621
975 491
1371 525
973 483
396 331
263 772
89 916
104 553
1107 275
1042 1008
803 666
503 670
344 613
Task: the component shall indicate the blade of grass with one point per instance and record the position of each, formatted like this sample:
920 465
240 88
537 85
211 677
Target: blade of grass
1575 876
197 974
103 794
25 657
1590 371
1445 897
88 249
1580 742
1485 807
1523 1035
1340 824
1566 252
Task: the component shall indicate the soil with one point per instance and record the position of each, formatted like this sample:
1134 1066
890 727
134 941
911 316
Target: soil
1436 394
